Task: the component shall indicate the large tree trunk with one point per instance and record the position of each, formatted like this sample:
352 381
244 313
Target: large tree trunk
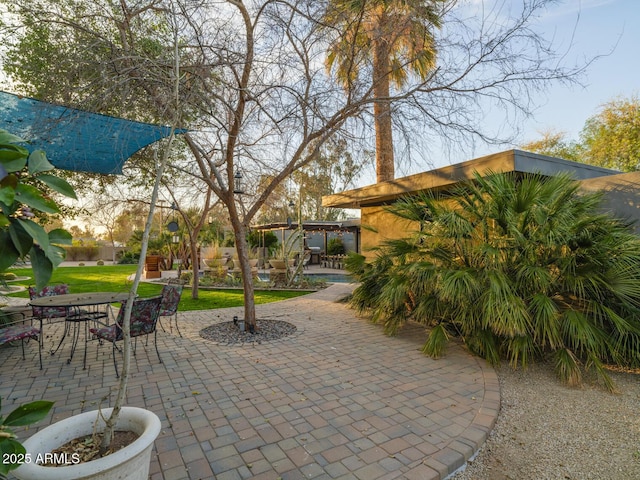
242 248
385 168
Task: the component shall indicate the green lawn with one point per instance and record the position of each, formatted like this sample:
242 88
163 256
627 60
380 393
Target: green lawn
113 278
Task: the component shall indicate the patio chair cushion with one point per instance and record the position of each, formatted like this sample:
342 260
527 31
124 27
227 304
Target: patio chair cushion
17 332
49 291
113 333
170 299
14 331
144 316
106 333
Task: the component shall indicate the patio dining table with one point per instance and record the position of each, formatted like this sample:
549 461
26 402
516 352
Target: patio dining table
82 308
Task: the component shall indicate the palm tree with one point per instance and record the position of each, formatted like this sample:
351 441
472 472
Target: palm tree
521 268
396 35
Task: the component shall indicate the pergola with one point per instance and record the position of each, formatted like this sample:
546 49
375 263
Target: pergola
325 228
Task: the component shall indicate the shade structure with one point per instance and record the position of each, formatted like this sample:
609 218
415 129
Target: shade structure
75 139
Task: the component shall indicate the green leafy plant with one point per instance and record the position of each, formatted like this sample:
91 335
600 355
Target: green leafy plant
261 239
288 249
335 246
25 184
12 451
128 258
520 268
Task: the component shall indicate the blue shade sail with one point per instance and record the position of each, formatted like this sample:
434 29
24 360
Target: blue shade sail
74 139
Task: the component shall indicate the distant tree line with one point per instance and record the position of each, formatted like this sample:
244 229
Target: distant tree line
610 138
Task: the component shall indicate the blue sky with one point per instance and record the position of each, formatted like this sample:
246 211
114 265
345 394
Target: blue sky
583 30
602 25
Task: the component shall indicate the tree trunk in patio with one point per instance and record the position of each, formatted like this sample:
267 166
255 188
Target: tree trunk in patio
242 248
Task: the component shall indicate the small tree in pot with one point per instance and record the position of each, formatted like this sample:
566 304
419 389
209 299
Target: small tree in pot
132 462
25 180
22 199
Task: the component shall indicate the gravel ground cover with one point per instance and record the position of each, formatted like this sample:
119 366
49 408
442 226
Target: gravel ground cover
548 431
229 333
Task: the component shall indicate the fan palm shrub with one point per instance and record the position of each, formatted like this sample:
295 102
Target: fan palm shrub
520 268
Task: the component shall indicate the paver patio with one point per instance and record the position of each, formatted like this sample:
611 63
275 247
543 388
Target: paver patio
338 399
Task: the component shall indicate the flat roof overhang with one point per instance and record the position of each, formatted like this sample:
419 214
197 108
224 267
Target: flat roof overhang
445 177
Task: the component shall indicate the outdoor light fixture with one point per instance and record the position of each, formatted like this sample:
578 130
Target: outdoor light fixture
175 238
173 226
238 187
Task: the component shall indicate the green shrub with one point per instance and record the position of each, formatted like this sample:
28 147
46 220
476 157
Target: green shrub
335 247
128 258
229 240
258 238
521 268
82 252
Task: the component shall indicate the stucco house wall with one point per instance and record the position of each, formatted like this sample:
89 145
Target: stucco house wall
622 190
621 195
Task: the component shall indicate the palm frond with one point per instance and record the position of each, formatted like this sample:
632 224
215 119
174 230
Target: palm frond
581 334
437 341
521 350
567 367
594 363
484 343
545 321
518 266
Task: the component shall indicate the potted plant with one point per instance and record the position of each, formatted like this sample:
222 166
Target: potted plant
279 262
261 244
217 258
284 257
13 452
253 258
132 462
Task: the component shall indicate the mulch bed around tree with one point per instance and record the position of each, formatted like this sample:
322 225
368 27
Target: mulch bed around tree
228 333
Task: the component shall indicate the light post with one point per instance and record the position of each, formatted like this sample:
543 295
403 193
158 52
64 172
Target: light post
300 229
175 240
173 228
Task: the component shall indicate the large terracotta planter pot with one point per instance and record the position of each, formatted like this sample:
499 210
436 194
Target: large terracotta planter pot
278 264
253 263
215 262
130 463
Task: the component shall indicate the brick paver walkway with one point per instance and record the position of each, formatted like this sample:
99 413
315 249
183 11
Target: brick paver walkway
338 399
